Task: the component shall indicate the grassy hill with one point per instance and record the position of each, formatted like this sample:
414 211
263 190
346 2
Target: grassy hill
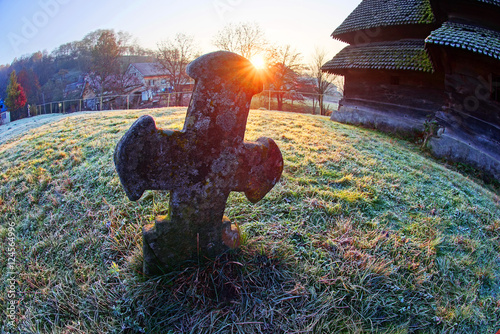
362 234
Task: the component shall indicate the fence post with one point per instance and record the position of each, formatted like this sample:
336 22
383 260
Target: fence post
168 100
64 110
100 105
128 102
269 100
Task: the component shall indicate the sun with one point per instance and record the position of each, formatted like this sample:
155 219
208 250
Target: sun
258 62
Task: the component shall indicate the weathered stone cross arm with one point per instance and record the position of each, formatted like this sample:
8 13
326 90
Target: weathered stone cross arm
155 159
201 164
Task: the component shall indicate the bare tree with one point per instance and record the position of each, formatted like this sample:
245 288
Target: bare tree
130 45
109 75
105 62
174 56
245 39
307 86
323 80
85 49
285 63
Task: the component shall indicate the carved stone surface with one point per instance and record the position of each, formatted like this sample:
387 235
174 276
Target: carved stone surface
201 164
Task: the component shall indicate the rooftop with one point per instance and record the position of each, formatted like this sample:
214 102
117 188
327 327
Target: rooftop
381 13
398 55
491 2
150 69
472 38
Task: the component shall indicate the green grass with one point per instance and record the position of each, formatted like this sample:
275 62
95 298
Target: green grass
363 234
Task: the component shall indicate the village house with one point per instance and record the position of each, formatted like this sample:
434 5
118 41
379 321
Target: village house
82 90
153 79
414 66
141 83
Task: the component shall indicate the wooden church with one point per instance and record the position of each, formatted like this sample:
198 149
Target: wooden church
425 65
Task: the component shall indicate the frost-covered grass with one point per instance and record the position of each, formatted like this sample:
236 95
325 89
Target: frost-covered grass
363 234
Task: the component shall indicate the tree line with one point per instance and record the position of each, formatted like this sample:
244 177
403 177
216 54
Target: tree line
103 57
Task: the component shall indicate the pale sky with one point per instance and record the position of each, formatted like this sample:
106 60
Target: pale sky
32 25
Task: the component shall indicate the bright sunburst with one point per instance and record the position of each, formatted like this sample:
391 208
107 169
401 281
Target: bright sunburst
258 61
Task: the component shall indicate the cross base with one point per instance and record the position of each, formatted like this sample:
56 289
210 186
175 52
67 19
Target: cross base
166 245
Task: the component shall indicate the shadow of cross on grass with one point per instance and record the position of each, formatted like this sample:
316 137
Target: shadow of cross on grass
200 165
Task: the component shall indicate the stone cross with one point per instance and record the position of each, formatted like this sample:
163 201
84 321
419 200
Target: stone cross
200 165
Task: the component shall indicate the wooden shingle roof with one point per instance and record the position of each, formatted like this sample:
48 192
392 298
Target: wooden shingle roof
382 13
399 55
491 2
472 38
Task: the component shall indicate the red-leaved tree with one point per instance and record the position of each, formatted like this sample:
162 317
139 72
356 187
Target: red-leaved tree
16 98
